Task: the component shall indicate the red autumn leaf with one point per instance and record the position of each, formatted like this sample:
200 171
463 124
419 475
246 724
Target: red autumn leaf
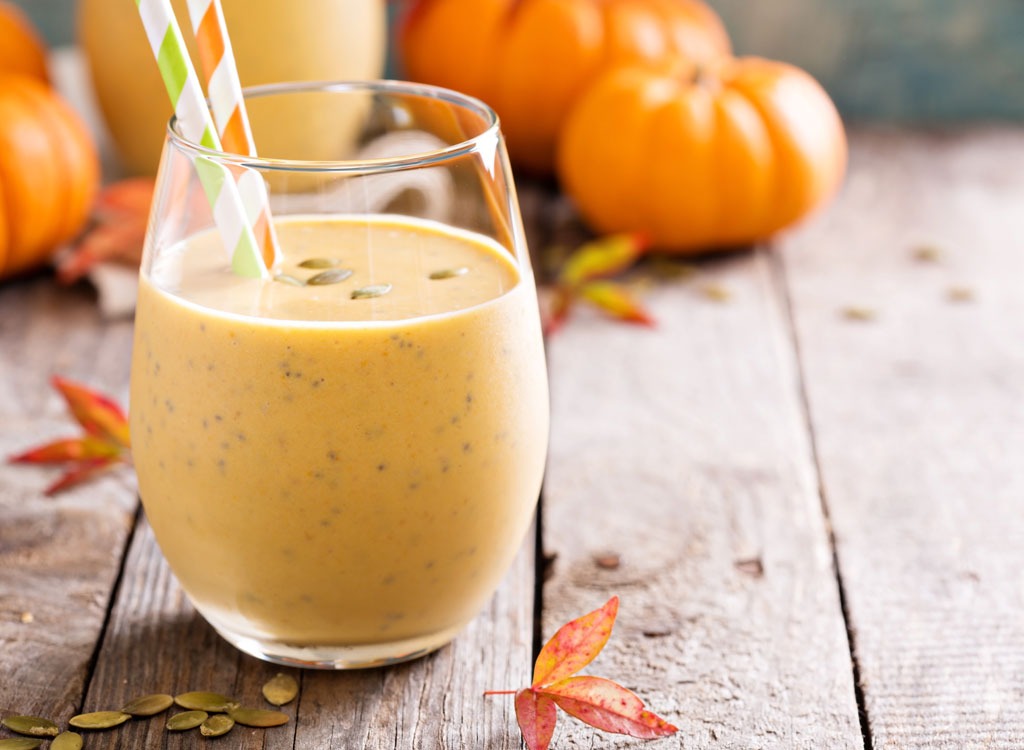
603 257
98 415
104 444
575 645
616 301
80 472
536 715
597 701
608 706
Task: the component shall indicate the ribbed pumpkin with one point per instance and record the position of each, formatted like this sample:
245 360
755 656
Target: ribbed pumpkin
21 49
49 173
702 158
530 59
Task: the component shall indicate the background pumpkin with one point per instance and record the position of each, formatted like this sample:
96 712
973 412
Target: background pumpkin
702 158
529 59
21 49
49 173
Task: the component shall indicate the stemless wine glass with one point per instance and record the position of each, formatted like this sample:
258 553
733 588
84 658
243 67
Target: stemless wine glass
340 461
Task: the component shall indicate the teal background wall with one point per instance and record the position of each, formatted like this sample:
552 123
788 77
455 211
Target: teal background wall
905 60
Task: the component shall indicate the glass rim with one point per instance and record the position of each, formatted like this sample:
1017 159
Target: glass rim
361 166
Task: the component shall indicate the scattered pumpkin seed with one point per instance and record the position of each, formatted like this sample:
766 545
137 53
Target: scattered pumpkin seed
334 276
186 720
148 705
715 292
289 280
27 617
19 743
257 717
202 701
99 720
67 741
281 689
862 314
216 725
960 294
318 263
376 290
927 254
449 273
33 726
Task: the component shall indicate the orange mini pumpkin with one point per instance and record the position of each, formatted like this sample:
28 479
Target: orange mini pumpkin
49 173
699 159
21 49
529 59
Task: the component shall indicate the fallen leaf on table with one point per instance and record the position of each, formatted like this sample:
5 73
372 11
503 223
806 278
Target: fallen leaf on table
120 216
104 445
596 701
585 276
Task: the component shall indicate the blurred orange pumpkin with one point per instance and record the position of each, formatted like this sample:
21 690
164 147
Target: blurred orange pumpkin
529 59
21 49
699 158
49 173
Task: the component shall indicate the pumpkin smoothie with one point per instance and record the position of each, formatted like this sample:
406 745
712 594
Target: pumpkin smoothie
346 463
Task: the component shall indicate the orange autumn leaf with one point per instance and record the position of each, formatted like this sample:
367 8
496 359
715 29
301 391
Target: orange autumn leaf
596 701
104 445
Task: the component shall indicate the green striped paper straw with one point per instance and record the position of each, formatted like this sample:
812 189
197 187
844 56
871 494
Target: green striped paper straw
196 125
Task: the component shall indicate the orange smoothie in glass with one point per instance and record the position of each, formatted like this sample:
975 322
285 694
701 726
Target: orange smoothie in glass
346 463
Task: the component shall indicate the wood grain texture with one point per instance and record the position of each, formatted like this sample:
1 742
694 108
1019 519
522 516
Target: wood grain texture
156 642
918 416
59 557
683 451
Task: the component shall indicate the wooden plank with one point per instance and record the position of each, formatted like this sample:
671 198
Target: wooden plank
918 417
156 642
683 452
59 556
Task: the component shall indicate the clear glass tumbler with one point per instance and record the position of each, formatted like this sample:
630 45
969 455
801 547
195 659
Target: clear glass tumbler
340 460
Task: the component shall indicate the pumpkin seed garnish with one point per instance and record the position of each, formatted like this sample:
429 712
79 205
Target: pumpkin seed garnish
19 743
320 263
860 314
377 290
186 720
334 276
257 717
148 705
202 701
289 280
715 293
67 741
216 725
33 726
281 689
99 720
449 273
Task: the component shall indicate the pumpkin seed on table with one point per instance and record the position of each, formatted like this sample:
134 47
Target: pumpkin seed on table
99 720
67 741
203 701
33 726
148 705
257 717
377 290
216 725
19 743
186 720
320 263
334 276
281 689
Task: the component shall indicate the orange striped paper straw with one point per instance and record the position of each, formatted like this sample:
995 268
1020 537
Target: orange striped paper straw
224 88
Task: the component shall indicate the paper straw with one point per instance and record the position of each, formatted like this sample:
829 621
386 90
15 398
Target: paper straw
196 125
217 63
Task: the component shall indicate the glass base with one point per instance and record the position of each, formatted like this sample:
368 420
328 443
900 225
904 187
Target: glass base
361 656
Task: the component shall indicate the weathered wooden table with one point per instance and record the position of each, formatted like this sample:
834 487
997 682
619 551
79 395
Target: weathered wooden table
813 489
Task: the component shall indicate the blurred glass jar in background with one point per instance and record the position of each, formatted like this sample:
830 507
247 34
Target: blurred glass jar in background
273 40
